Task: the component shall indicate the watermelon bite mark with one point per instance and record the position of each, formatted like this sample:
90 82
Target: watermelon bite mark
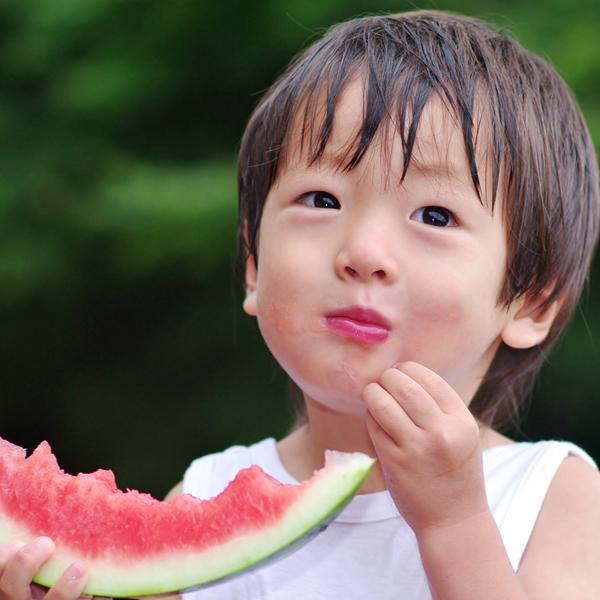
138 545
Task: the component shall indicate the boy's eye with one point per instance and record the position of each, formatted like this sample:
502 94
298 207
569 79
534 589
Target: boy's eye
319 200
434 215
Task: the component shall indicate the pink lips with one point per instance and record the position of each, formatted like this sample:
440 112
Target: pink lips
359 323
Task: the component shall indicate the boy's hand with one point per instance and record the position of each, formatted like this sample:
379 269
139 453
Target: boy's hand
19 564
428 444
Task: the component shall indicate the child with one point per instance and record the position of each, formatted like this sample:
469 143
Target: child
419 208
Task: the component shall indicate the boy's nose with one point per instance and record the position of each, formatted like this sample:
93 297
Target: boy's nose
366 262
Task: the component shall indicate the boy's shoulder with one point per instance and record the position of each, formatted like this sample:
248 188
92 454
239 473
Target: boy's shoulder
176 490
563 552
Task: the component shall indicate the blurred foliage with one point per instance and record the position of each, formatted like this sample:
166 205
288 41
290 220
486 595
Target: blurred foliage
123 342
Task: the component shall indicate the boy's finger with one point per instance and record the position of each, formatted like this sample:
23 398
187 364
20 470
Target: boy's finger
6 551
416 401
380 438
22 566
71 584
436 386
387 413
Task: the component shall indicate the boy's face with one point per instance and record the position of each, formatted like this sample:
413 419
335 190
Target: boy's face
427 256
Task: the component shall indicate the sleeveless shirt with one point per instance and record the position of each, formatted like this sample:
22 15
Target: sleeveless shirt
369 551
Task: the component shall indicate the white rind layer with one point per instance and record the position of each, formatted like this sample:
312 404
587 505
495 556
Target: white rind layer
330 489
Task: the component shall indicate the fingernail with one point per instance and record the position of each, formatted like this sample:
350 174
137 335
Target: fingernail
74 572
44 543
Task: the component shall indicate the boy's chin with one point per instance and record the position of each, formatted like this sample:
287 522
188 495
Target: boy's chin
340 389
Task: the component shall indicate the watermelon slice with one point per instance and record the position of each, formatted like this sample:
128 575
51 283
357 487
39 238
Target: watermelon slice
136 545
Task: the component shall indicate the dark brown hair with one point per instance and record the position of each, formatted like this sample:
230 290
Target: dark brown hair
540 150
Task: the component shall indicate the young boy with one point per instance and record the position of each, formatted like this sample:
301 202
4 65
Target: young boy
419 208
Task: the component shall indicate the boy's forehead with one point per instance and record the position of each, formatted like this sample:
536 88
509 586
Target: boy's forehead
439 148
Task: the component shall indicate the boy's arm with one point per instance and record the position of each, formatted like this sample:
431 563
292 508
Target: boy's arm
467 560
563 554
429 449
561 559
176 490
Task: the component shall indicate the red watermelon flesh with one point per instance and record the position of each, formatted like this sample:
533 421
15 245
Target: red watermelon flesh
136 545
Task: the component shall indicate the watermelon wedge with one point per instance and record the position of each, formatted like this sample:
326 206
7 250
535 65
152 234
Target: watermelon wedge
136 545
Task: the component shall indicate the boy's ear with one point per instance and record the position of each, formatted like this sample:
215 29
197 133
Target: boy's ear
529 323
249 304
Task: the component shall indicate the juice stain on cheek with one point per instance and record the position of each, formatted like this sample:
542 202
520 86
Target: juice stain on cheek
283 318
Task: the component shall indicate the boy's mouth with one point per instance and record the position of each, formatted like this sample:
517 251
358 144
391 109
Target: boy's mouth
359 323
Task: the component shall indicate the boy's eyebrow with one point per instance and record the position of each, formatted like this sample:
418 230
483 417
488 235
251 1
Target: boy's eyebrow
446 169
331 160
449 170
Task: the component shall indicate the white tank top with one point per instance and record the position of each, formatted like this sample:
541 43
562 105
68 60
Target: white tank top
369 551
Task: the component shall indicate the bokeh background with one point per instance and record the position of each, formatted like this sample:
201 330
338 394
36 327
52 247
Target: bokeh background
122 338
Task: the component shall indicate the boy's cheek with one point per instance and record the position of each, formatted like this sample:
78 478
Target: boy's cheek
276 318
437 328
285 304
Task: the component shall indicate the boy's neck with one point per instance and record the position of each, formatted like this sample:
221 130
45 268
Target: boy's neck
302 451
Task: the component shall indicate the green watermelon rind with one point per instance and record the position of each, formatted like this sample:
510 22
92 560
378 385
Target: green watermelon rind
326 495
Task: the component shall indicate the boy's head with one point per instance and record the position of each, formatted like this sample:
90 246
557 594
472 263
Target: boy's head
539 159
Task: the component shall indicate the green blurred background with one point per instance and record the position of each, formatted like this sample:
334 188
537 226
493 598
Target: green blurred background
123 342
